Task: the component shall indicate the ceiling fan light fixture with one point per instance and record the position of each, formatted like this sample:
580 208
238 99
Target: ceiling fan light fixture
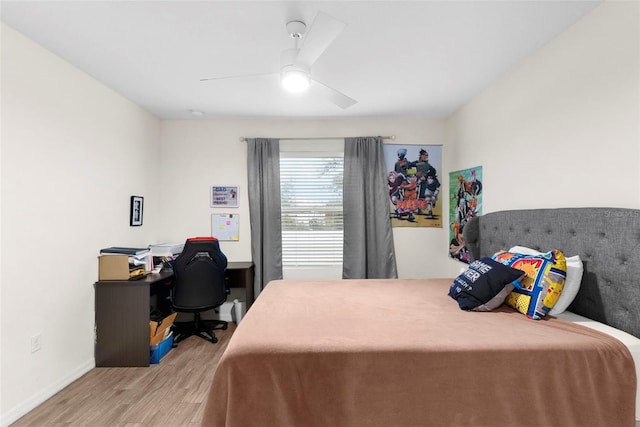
294 76
295 80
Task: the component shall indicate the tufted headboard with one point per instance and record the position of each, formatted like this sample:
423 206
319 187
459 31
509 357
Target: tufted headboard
607 240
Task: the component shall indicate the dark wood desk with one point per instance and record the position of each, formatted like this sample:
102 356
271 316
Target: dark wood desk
122 313
241 275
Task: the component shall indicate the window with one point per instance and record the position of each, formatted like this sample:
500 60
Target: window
311 194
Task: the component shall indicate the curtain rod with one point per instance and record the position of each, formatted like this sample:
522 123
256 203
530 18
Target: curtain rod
392 137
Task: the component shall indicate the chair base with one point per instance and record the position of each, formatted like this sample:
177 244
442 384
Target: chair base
202 328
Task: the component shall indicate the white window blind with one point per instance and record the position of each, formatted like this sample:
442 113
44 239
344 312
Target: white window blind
311 194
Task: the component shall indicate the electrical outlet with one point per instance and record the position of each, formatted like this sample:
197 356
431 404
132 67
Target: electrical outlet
36 342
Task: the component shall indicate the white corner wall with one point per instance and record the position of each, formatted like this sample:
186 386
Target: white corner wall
563 128
73 152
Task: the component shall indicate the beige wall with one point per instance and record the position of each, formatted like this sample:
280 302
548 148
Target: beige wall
563 128
73 152
212 153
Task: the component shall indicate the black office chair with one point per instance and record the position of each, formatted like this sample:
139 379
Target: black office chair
199 285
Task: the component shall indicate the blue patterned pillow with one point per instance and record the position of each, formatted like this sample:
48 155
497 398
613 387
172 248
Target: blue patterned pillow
542 286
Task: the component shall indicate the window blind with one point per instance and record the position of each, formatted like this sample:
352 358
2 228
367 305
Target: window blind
311 198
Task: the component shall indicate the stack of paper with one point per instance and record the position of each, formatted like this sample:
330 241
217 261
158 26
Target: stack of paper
166 249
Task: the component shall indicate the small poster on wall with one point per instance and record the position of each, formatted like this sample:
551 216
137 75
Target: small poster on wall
224 196
465 187
414 185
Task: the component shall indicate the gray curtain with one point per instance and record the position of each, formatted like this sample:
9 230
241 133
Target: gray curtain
368 240
263 166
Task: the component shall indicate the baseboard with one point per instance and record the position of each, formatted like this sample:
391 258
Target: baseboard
25 407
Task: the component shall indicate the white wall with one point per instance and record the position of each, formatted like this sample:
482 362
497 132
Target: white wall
73 152
198 154
563 128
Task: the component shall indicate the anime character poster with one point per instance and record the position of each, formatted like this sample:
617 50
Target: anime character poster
465 188
413 183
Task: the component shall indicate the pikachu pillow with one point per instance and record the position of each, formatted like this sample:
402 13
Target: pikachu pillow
542 285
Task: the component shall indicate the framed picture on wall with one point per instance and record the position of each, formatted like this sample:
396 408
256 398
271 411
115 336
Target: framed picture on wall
224 196
136 211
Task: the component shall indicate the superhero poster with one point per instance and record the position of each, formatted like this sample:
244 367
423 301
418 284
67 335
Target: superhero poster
465 188
414 184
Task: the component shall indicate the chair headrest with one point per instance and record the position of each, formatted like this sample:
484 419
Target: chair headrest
199 239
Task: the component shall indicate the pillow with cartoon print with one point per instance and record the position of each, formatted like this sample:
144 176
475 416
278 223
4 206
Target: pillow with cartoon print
542 285
575 269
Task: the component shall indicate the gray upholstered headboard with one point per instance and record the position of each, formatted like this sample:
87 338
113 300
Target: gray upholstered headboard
607 240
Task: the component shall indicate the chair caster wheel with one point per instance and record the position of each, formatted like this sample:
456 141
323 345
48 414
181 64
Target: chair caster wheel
214 340
224 327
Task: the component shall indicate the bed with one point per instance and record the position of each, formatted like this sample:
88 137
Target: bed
402 353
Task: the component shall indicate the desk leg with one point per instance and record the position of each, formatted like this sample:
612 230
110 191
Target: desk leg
249 278
243 278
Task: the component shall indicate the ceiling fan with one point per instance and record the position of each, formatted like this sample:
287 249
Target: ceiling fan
295 63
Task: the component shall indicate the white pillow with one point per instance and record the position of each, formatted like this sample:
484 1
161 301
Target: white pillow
571 284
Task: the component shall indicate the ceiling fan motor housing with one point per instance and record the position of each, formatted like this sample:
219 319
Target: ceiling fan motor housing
296 28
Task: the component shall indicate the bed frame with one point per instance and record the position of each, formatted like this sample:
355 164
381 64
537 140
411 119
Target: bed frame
382 352
606 239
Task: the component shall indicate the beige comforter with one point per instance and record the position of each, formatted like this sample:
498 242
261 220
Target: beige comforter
401 353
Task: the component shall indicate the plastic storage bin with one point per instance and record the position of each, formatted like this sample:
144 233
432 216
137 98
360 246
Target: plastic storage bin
158 351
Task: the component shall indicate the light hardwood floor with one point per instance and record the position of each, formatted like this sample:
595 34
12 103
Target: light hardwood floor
169 394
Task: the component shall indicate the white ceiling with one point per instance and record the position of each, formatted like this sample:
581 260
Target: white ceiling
397 58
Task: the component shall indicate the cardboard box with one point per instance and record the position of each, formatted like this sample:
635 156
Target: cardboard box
117 267
157 329
158 351
113 267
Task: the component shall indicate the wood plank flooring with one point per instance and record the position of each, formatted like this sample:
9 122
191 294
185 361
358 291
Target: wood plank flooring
169 394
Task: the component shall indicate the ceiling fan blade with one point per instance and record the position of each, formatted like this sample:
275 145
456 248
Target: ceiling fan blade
317 39
239 76
337 97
